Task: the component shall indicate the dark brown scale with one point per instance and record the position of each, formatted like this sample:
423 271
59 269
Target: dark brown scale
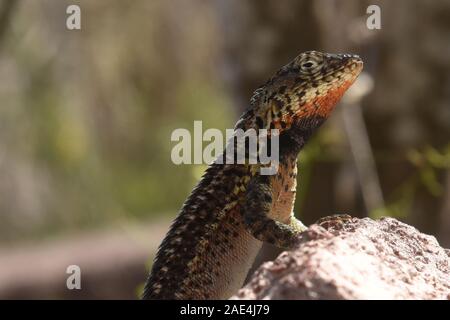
279 104
288 99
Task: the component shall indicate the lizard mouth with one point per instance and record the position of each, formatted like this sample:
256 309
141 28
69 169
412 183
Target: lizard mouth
346 67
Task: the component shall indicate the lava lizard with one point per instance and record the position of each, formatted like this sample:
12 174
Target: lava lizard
215 238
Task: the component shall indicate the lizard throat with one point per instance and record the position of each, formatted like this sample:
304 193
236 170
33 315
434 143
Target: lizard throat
322 105
308 118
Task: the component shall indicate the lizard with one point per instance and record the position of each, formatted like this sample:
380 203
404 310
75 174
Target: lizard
220 228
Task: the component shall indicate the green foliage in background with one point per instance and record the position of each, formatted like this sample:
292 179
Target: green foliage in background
428 163
86 117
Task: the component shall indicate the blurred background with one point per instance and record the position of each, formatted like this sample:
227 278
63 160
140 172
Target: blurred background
86 117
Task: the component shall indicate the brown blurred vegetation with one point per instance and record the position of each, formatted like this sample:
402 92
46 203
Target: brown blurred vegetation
86 116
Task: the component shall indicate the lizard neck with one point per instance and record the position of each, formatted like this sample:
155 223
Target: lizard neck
295 138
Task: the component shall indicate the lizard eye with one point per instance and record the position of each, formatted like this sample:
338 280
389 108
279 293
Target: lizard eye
308 65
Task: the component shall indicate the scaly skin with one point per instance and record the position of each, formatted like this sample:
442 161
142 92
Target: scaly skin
213 242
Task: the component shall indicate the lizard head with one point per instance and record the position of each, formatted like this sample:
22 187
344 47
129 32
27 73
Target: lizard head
302 94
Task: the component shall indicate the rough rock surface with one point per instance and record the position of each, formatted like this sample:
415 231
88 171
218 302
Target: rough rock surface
357 259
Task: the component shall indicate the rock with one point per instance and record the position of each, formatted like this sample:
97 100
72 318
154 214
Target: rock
356 259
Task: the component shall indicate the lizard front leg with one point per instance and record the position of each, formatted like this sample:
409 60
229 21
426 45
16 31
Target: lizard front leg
258 203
